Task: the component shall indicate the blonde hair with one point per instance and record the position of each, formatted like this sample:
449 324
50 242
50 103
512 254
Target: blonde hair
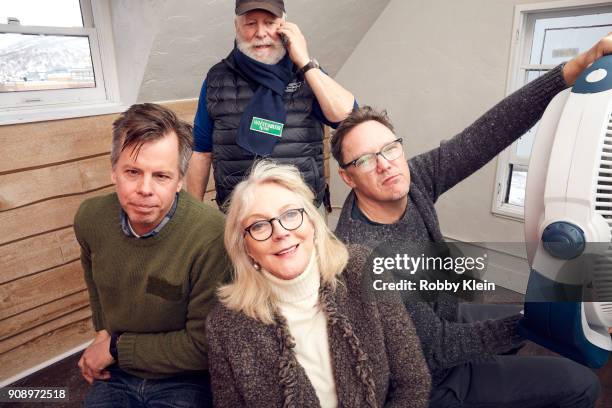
249 292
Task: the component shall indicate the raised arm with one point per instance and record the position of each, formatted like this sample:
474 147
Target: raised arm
335 101
441 168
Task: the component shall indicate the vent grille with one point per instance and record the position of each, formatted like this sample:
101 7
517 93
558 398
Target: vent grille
606 307
602 268
603 196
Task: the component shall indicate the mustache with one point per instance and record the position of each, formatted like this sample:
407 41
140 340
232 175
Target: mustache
259 43
250 50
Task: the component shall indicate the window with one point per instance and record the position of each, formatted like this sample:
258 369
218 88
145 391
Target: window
545 35
56 60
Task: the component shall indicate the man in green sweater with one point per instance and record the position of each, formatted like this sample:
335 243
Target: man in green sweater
153 258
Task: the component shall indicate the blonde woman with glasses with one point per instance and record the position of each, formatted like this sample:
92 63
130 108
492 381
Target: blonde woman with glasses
292 329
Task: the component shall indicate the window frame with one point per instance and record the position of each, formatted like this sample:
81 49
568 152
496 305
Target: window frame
520 50
69 103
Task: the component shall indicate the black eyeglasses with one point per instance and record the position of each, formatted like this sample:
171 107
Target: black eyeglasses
289 220
367 162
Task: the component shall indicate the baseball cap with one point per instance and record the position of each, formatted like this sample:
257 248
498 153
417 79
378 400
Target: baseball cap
276 7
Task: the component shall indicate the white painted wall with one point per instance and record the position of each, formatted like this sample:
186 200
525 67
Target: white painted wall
436 66
135 26
196 34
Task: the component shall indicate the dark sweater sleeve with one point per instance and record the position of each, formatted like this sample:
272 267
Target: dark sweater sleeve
182 350
225 392
446 307
97 316
440 169
447 344
410 378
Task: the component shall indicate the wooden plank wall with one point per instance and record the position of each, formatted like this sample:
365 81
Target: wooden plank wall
46 170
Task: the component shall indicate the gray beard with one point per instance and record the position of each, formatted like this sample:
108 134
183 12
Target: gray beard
273 59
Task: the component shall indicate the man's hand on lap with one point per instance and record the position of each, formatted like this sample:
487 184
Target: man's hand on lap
96 358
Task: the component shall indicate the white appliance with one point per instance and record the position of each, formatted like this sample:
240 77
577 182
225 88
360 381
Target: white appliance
568 222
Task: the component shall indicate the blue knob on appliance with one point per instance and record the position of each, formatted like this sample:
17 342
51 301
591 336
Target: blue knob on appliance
596 78
563 240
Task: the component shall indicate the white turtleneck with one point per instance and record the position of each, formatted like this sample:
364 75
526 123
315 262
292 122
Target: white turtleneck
297 300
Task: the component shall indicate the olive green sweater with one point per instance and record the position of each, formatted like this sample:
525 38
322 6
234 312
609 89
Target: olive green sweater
158 290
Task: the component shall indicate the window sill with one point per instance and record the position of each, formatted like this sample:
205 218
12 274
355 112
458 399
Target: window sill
510 212
45 113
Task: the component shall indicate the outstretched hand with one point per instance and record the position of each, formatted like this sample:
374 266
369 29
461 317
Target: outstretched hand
582 61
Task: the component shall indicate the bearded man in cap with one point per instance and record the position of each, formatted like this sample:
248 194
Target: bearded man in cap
267 98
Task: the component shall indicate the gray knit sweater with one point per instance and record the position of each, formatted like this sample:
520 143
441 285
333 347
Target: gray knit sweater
376 362
447 343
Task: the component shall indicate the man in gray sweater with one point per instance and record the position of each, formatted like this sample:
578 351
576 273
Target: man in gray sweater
393 199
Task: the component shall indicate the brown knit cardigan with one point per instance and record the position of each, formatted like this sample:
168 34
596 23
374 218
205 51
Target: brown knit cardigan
376 355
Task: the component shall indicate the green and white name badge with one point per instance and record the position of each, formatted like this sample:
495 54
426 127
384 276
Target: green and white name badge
266 126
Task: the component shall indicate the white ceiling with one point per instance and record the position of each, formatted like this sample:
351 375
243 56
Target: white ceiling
165 48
